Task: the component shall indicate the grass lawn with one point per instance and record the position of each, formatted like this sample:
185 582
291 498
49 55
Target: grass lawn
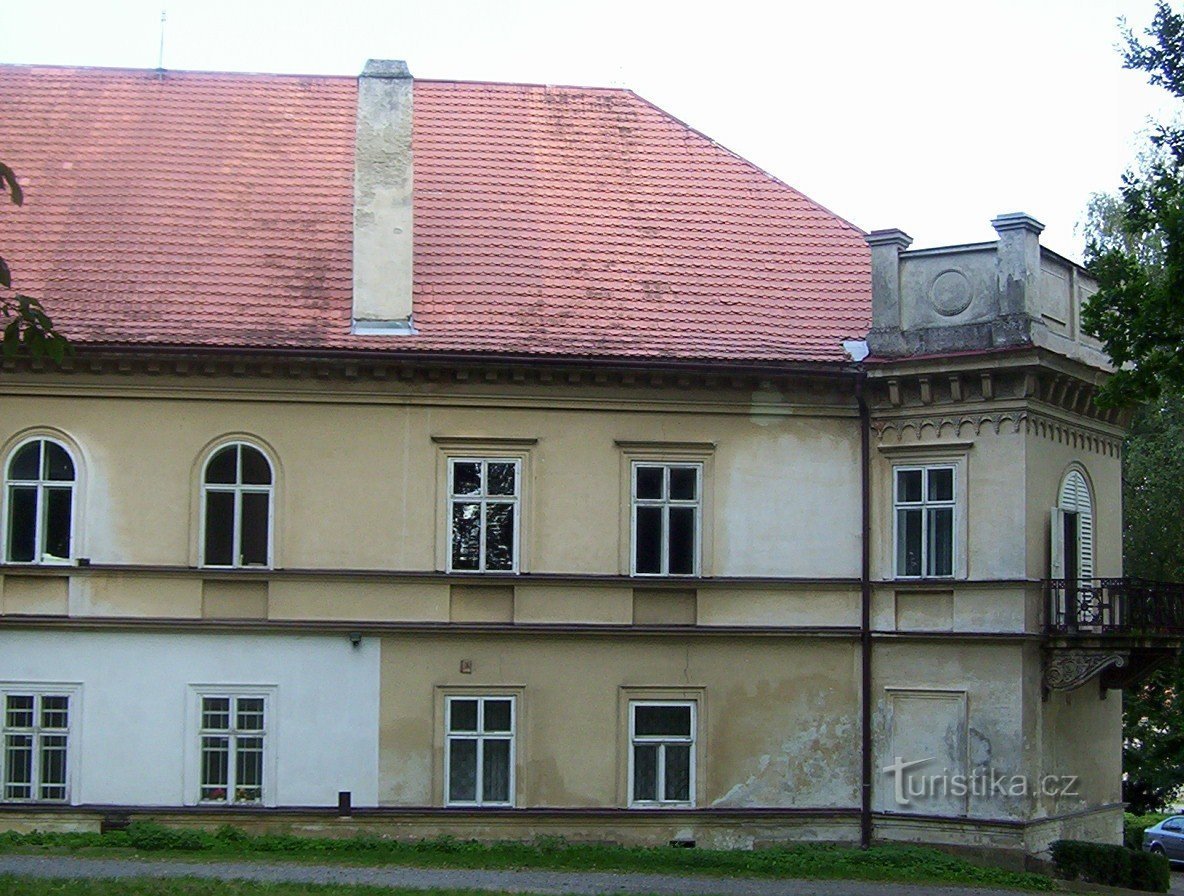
28 886
809 861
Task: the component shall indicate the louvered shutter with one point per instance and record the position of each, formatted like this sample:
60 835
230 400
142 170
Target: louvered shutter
1075 497
1056 560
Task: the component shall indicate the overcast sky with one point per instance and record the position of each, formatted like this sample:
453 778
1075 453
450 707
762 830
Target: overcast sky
928 116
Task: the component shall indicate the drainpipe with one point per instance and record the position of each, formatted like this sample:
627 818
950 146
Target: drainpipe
865 611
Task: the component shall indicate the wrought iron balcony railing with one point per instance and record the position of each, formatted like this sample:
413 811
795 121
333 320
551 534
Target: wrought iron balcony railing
1131 606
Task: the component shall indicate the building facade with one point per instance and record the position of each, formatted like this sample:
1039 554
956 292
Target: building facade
485 460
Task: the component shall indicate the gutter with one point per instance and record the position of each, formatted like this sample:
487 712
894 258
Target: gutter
865 613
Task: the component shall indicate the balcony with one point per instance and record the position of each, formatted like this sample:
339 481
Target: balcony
1115 630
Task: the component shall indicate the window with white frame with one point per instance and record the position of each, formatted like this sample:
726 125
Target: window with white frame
238 492
662 753
924 500
667 509
232 735
1073 530
479 751
36 745
39 491
483 514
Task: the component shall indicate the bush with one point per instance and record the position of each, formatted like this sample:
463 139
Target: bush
1114 866
149 836
1133 827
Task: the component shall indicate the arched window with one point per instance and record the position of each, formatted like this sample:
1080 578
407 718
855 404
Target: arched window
237 488
1073 530
39 491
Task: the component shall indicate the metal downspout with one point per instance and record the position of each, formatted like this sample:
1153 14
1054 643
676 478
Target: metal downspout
865 618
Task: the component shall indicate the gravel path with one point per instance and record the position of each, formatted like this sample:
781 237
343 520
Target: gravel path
558 882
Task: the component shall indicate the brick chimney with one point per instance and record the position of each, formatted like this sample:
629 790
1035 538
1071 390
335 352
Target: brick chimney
383 185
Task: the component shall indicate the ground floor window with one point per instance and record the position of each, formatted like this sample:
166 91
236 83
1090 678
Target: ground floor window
36 741
479 748
662 753
232 736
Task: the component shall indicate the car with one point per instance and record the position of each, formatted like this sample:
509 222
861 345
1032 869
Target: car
1166 838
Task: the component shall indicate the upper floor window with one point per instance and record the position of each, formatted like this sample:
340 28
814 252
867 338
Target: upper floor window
1073 530
238 492
39 487
924 501
483 514
667 505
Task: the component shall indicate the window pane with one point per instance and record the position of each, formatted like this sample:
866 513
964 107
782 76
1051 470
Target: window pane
462 715
684 483
501 479
908 542
248 770
58 465
18 766
499 536
497 715
256 469
53 767
221 467
22 523
19 711
466 478
215 713
908 485
250 714
941 541
670 721
678 772
941 485
682 540
55 712
462 770
495 771
649 482
215 765
219 528
645 772
253 538
466 536
57 523
26 463
649 539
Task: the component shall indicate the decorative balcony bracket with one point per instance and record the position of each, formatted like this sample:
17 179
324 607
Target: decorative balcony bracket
1066 670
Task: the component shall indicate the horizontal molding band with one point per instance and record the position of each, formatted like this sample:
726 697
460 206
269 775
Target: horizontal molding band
680 583
379 628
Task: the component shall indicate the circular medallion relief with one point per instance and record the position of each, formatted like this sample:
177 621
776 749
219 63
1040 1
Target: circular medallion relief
950 293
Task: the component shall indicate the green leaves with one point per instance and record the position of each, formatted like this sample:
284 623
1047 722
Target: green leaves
29 330
1136 249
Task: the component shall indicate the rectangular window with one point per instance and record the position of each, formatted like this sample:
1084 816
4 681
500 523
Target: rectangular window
924 501
36 739
483 514
479 751
661 753
667 502
232 730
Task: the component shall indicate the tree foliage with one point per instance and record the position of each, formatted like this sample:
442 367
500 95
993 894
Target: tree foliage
1153 548
27 329
1138 311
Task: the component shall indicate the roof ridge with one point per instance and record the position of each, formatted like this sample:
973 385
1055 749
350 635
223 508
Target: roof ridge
129 70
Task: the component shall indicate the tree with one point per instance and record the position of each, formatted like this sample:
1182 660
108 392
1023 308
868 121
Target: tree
1153 548
27 328
1138 311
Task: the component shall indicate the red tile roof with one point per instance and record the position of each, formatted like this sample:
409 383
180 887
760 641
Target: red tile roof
201 209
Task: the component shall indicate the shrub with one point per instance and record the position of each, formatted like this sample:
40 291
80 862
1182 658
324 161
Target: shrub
1114 866
149 836
1133 827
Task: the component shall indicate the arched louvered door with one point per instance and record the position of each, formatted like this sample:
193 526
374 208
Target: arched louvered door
1076 508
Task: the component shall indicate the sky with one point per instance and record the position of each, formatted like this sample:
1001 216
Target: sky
928 116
